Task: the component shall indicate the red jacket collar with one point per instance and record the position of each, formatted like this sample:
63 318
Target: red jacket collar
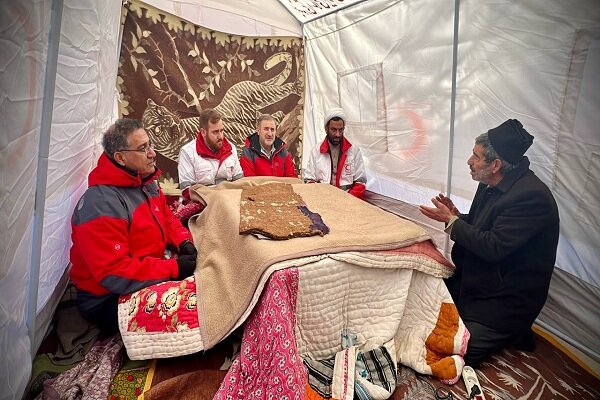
345 145
205 152
253 143
107 173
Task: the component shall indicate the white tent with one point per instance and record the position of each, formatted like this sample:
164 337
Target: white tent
418 78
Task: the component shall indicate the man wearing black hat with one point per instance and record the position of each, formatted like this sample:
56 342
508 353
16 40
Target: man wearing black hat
505 247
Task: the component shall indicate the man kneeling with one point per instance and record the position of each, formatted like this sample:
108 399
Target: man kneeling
505 247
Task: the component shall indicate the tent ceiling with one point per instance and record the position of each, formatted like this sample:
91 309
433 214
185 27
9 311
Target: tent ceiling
309 10
239 17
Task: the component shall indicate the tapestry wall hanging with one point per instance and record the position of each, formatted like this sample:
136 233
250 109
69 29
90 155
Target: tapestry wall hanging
171 69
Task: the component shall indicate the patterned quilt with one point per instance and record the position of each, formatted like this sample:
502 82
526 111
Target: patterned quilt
339 305
369 291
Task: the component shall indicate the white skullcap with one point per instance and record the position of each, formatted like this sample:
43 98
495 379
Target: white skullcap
334 112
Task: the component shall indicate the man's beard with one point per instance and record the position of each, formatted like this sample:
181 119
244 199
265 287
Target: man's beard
215 146
334 141
482 175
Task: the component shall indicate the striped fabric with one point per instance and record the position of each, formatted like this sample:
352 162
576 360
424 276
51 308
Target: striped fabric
375 374
320 375
379 370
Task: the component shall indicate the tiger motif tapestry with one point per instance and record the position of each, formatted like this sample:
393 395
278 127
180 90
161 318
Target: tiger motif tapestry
171 69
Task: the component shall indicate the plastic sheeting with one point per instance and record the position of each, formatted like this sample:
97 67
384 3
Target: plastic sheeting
539 61
84 106
389 64
23 33
390 67
579 328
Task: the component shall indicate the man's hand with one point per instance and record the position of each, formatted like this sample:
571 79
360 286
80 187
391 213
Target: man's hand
187 248
443 210
448 203
187 265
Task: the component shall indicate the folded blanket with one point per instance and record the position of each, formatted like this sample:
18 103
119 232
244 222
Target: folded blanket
354 374
230 265
342 320
92 377
162 321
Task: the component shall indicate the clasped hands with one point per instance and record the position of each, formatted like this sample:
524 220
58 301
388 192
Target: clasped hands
444 209
186 261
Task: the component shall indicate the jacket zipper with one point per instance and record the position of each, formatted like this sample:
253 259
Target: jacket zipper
152 212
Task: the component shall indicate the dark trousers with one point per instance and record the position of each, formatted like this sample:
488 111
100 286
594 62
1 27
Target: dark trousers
484 342
100 312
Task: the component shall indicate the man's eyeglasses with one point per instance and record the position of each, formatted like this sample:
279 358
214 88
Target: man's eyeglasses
146 149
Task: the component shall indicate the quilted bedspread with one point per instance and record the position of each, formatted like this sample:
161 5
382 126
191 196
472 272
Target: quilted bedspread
375 282
231 265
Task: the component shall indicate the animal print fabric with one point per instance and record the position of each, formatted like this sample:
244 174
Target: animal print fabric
171 69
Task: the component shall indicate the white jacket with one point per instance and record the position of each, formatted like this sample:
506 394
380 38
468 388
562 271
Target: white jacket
350 171
194 168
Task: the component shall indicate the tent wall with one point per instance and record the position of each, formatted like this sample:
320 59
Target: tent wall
84 104
24 31
389 64
539 61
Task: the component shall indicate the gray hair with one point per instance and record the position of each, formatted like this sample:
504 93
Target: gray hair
490 154
116 136
264 117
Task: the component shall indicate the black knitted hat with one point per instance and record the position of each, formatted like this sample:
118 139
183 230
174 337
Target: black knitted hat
510 140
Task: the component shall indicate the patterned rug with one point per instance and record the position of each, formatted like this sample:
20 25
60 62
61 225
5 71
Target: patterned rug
129 382
546 373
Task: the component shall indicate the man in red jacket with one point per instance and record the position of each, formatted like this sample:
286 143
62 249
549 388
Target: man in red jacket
265 154
121 227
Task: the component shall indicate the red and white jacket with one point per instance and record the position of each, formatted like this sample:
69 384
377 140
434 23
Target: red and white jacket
255 163
198 164
121 227
350 174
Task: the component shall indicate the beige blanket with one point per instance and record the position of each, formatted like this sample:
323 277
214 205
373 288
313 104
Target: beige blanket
230 265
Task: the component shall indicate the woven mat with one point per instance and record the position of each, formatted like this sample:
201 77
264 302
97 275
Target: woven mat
277 212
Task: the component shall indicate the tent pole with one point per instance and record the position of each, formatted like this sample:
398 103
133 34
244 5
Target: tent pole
452 110
42 169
